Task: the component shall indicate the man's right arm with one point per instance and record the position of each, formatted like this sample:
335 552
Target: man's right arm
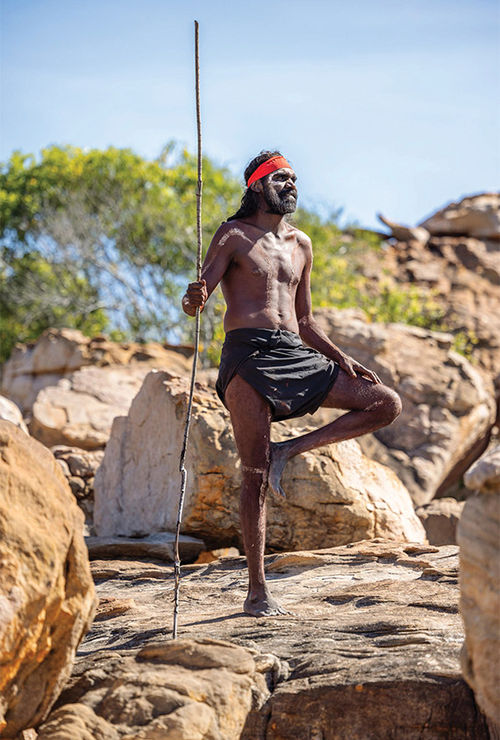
216 262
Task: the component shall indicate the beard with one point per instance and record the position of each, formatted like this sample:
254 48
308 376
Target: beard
278 204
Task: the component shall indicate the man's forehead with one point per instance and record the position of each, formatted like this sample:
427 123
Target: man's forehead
283 171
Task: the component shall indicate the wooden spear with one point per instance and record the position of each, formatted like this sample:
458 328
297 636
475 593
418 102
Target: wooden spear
182 468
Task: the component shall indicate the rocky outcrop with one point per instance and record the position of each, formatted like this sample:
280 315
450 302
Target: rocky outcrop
440 519
475 215
10 412
46 591
370 649
448 407
335 495
60 352
479 540
203 689
79 410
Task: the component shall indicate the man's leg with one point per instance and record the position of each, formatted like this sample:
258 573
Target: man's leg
251 420
372 406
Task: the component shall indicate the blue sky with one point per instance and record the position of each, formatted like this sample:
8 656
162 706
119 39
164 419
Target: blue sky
379 105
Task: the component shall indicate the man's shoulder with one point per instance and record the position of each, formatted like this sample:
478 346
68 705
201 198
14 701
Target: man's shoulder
230 231
301 237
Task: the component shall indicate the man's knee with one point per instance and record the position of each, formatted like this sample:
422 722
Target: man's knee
392 405
387 406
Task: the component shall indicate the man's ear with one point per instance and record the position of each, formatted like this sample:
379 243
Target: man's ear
256 186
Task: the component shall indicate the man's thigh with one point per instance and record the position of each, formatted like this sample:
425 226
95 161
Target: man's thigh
251 420
355 393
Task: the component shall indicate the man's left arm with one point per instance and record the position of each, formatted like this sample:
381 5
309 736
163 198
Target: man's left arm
311 332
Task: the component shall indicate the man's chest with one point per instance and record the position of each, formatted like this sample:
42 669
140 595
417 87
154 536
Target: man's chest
267 260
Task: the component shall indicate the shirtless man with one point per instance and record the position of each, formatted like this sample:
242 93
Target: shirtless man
276 362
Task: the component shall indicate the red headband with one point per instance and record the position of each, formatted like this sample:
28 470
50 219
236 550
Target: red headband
270 165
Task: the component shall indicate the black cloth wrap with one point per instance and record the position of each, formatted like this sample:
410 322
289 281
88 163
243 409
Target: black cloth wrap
294 379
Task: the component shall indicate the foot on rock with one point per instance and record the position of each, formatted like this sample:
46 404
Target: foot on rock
263 606
279 459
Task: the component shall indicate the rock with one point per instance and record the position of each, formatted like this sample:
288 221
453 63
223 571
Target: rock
208 556
461 275
475 215
448 407
79 462
159 546
479 540
110 606
199 689
79 410
405 233
484 475
60 352
440 519
79 466
10 412
334 495
371 649
47 596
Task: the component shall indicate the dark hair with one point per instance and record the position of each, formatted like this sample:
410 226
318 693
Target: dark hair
250 199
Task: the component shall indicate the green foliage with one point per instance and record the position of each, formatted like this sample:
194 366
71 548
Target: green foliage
119 226
34 295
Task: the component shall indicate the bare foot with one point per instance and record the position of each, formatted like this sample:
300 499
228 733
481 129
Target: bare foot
279 459
263 605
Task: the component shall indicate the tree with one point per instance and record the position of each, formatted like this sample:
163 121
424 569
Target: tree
119 228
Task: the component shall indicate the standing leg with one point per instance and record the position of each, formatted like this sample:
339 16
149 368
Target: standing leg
373 405
251 420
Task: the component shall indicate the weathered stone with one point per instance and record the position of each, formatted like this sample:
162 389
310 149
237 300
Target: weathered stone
79 410
60 352
208 556
475 215
83 463
479 540
370 648
200 689
405 233
46 591
462 275
159 546
334 495
440 519
77 486
447 406
484 475
10 412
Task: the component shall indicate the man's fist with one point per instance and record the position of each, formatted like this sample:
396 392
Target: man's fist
195 297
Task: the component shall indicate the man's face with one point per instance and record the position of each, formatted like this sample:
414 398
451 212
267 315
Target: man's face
279 191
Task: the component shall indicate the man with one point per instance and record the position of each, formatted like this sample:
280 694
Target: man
266 372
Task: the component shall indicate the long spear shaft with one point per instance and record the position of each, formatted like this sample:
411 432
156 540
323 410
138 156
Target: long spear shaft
182 468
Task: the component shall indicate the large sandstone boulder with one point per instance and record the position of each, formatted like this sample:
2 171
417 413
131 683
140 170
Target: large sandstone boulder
479 540
46 591
59 352
187 689
80 409
334 495
475 215
448 407
369 651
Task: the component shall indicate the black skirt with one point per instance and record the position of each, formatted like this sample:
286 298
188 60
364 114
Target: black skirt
294 379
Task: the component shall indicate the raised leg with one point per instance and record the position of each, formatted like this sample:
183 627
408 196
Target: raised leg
372 406
251 420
